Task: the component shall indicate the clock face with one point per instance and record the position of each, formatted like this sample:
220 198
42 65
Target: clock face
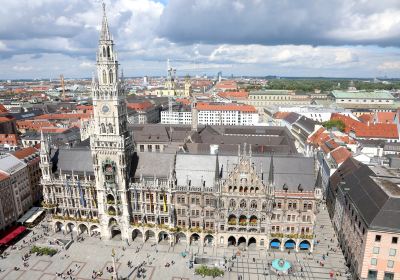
105 109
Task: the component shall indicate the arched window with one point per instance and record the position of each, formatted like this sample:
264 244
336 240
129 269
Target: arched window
108 52
104 77
243 204
253 204
104 52
110 128
232 203
102 128
111 74
264 205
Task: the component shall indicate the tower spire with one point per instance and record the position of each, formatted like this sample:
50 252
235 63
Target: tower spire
271 171
105 32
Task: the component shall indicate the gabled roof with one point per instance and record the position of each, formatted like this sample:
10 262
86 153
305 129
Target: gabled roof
381 94
363 130
340 154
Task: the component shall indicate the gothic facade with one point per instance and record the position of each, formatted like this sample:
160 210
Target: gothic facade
114 190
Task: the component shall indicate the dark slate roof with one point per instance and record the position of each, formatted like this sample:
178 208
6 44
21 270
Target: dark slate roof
289 170
377 199
27 115
76 159
307 124
291 118
153 164
349 165
371 142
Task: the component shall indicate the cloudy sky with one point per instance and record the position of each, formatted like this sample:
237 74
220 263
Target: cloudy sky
337 38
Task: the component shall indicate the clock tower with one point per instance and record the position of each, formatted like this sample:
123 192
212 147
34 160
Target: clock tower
111 143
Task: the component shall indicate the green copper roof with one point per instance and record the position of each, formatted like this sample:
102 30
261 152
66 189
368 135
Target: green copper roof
362 94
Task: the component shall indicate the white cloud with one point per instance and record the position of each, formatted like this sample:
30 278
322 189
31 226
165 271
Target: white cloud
87 65
389 65
22 68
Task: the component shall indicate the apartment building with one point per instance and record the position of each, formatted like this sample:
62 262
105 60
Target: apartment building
365 214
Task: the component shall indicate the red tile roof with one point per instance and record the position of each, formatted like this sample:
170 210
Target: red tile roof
340 154
228 84
26 152
64 116
225 107
362 130
33 124
281 115
3 176
6 119
386 117
139 106
3 109
237 95
184 101
365 118
11 139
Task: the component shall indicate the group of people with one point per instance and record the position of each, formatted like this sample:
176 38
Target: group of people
69 274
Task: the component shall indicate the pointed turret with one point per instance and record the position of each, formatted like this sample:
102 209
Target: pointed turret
105 32
318 181
217 168
271 180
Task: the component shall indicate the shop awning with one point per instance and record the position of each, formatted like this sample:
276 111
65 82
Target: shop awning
11 234
304 245
289 244
34 217
275 244
28 214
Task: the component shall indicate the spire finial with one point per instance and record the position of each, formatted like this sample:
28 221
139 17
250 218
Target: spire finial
105 33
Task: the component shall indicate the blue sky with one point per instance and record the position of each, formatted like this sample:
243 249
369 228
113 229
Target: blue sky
338 38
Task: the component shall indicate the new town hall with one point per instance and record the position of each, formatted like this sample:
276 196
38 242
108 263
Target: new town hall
205 185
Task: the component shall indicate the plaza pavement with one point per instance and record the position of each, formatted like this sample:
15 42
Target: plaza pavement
93 254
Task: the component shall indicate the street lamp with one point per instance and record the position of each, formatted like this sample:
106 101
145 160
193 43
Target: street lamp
115 274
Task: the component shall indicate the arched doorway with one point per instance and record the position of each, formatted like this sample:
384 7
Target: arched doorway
305 245
149 235
163 237
231 241
242 241
194 239
275 244
58 226
252 242
83 229
116 233
70 227
209 240
94 230
181 237
290 244
137 235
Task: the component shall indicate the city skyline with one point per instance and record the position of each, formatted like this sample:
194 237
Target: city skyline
255 38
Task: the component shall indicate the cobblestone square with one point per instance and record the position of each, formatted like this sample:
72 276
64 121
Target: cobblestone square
84 257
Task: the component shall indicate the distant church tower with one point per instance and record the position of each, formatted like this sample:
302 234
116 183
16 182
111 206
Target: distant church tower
111 143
